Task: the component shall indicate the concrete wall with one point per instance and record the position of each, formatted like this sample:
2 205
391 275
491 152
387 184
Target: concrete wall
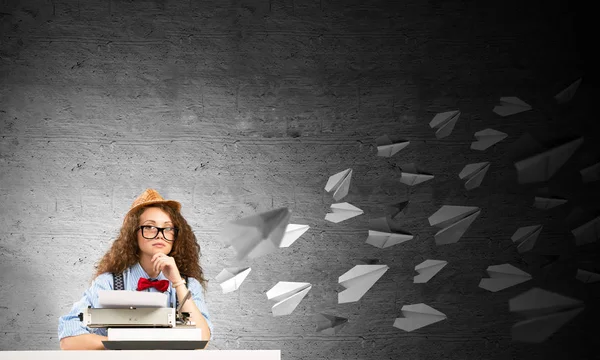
237 107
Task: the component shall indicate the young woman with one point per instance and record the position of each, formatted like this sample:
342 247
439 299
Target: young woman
155 243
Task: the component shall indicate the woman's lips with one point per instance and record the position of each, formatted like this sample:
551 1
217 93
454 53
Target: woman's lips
159 245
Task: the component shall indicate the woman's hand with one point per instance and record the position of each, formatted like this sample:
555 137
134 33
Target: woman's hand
166 264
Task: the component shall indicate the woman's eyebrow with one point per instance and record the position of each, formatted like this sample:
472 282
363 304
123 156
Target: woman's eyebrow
154 222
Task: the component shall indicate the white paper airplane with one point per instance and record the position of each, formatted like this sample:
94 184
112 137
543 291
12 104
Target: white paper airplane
444 123
292 233
486 138
526 237
588 232
502 277
546 203
511 105
427 269
341 212
547 313
330 324
411 175
544 165
417 316
567 94
256 235
587 276
230 279
591 173
387 146
384 232
339 184
288 295
358 281
474 174
454 221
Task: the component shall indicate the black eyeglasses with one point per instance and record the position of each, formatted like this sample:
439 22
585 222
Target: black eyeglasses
151 232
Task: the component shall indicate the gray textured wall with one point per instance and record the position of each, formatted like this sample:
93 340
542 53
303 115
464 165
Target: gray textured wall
236 107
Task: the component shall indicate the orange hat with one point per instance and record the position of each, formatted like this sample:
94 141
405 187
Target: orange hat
151 196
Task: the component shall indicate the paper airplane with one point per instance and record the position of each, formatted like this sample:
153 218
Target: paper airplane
358 281
502 277
427 269
526 237
230 279
587 276
454 221
511 105
545 203
341 212
387 146
330 324
288 295
256 235
444 123
384 232
567 94
411 175
591 173
398 209
588 232
292 233
474 173
339 184
547 313
417 316
486 138
543 166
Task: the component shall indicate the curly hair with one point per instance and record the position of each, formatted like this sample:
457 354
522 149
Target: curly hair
124 251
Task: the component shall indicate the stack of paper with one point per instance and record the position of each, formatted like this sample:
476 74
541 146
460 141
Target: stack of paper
547 313
330 324
411 175
288 295
339 184
342 211
292 233
119 299
154 334
526 237
454 221
427 269
444 123
417 316
511 105
358 281
486 138
256 235
387 146
502 277
231 278
474 174
384 232
567 94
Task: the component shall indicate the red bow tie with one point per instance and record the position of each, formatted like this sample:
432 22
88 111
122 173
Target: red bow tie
160 285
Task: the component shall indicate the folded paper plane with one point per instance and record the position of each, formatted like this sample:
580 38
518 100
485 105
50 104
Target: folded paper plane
230 279
342 211
510 105
339 184
486 138
587 233
288 295
542 166
591 173
329 324
385 232
546 311
587 276
417 316
398 209
358 281
256 235
546 203
388 146
502 277
567 94
411 175
292 233
474 174
454 221
444 123
526 237
427 269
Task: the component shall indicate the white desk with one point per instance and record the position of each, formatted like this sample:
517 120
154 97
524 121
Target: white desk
143 354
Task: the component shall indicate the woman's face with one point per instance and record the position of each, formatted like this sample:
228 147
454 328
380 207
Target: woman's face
152 218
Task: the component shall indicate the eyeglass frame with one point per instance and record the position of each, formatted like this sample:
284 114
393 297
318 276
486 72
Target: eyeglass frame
160 231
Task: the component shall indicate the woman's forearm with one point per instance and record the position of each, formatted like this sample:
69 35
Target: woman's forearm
83 342
195 314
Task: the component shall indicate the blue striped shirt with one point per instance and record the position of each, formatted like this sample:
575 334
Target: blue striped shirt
70 325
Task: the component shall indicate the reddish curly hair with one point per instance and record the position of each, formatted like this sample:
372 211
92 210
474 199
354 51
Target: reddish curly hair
124 251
